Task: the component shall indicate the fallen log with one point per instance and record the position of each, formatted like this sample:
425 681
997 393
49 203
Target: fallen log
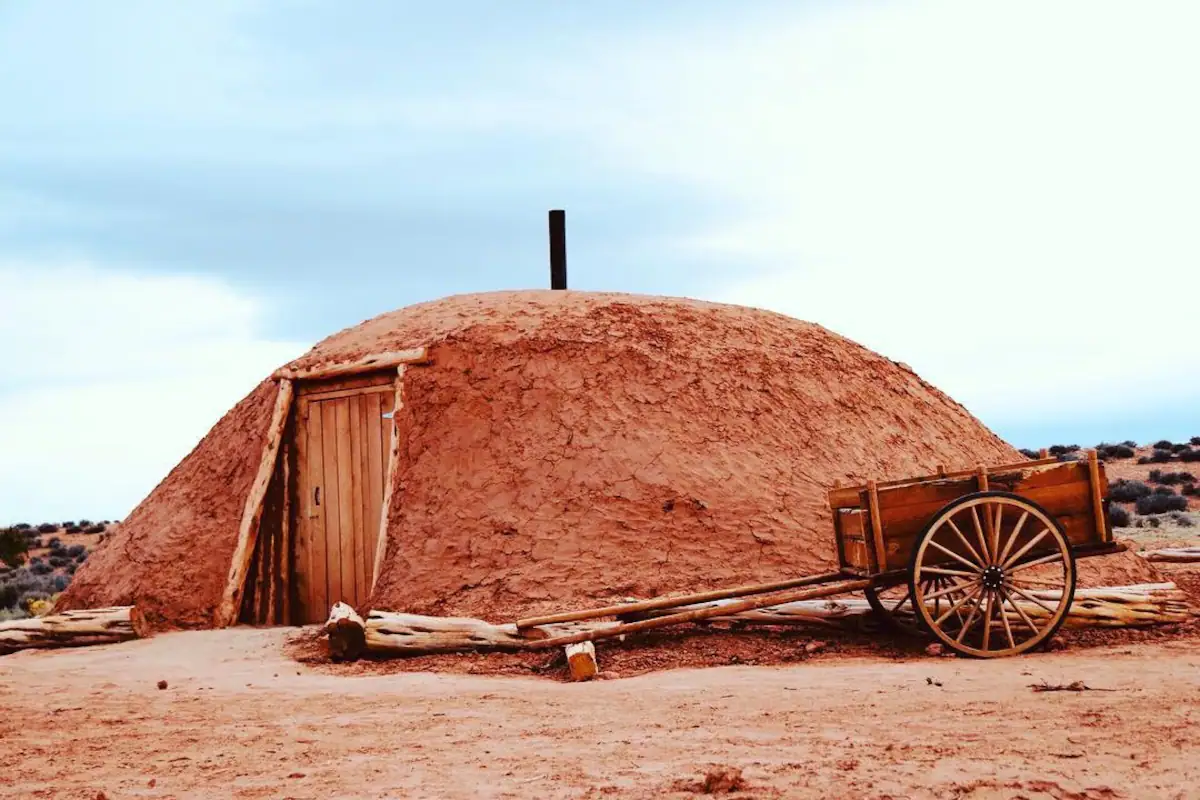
1176 555
396 633
581 661
73 629
347 633
393 633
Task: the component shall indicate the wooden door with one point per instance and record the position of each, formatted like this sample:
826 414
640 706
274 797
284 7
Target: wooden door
342 445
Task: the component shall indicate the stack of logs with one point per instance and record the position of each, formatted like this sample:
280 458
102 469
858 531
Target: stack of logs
388 633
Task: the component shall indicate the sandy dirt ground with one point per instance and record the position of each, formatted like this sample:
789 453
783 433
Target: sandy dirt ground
240 718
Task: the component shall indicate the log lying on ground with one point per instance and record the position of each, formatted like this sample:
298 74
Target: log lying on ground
581 661
346 632
1109 607
73 629
1178 555
393 633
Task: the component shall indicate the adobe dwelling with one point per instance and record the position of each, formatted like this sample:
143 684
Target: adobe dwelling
508 453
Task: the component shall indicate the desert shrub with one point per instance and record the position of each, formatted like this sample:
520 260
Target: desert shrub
61 582
13 547
67 524
1163 444
41 568
99 527
82 557
46 527
76 550
59 561
1175 448
1064 457
54 543
22 526
1164 490
1161 503
1060 449
1189 455
9 595
1190 489
1160 456
1032 455
1171 478
83 523
1195 440
1143 459
1119 516
1182 520
74 529
1115 451
1126 491
71 568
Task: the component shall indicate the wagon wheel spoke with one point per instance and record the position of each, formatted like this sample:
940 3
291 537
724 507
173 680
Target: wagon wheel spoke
982 539
1021 613
980 561
1037 562
996 533
950 589
1016 557
955 556
1034 600
987 619
970 620
1004 618
1012 539
958 573
966 598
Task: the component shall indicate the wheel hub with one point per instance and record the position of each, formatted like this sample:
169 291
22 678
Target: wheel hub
993 577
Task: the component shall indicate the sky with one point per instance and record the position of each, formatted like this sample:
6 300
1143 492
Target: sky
1002 195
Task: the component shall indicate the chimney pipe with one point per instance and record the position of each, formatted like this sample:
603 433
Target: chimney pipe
558 249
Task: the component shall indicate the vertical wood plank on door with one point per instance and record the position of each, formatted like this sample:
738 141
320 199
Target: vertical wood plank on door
345 492
357 485
375 424
314 504
331 501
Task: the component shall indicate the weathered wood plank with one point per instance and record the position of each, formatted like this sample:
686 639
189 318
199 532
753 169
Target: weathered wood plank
331 499
376 361
227 610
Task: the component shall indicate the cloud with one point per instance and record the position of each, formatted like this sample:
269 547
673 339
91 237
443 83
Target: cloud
1001 195
111 378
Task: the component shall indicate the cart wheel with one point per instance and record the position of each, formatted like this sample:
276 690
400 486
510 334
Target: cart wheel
1007 570
893 605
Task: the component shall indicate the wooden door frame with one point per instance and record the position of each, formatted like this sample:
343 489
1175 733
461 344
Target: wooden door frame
271 464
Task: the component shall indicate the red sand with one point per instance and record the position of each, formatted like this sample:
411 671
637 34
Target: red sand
566 448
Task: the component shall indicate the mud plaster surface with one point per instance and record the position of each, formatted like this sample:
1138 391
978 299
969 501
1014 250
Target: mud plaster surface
569 448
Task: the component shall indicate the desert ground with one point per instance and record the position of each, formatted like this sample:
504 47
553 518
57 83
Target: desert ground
265 713
240 718
261 713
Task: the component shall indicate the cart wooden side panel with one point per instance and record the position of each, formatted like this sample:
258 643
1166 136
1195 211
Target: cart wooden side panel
1072 492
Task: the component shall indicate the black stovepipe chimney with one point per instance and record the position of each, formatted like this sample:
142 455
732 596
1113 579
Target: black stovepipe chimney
558 249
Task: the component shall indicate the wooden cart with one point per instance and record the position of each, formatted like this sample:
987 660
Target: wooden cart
984 559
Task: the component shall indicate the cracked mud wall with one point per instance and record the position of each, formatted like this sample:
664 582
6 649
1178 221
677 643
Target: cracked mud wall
171 555
632 446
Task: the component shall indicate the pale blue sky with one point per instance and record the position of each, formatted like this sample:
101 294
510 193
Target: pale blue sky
193 192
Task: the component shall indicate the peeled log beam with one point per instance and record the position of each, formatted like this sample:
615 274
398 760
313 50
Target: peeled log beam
1178 555
73 629
412 634
347 633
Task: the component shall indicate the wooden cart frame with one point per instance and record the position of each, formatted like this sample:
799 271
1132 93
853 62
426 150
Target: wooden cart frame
982 559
